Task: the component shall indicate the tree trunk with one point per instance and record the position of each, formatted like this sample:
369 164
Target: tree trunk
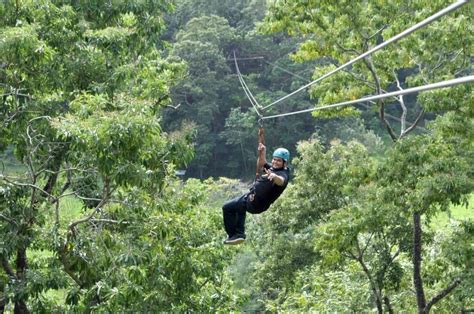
2 305
55 166
21 265
417 280
386 300
20 307
10 273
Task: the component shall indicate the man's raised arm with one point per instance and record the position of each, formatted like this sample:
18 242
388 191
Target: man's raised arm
262 160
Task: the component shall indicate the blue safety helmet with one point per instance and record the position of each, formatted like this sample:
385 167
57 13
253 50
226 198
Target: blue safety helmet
282 153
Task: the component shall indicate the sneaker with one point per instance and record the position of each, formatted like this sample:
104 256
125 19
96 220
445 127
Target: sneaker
233 240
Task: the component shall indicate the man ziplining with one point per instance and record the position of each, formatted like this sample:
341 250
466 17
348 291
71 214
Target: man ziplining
268 187
265 190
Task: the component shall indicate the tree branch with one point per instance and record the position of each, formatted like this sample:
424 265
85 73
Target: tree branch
362 252
83 197
16 94
414 125
73 224
56 214
376 33
34 187
352 50
29 126
378 90
63 250
110 221
401 101
6 266
174 107
438 65
106 194
392 258
360 79
373 286
62 253
13 222
64 170
442 294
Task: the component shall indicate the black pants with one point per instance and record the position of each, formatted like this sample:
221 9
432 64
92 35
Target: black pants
234 212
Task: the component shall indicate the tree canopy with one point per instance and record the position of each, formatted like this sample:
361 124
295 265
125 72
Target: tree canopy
102 102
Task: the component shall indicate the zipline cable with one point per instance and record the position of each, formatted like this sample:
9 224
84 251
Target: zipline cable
366 106
408 31
254 102
247 91
443 84
252 99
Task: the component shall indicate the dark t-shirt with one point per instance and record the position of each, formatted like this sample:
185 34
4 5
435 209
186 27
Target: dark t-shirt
266 191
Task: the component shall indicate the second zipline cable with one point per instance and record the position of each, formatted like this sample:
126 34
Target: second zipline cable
395 38
443 84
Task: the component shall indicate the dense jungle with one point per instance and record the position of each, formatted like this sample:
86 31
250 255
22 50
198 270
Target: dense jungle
126 125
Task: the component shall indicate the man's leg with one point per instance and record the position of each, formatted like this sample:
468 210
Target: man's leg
230 210
240 221
234 212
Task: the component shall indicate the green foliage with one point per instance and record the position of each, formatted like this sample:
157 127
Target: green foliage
201 43
319 290
367 222
339 31
345 212
168 255
99 115
103 129
454 260
240 14
434 175
206 35
323 183
349 129
83 85
240 129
